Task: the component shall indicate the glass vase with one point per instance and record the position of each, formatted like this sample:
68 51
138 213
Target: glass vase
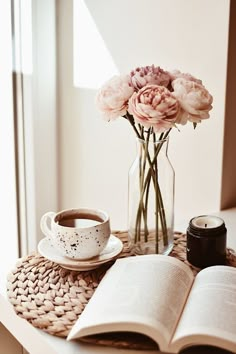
151 199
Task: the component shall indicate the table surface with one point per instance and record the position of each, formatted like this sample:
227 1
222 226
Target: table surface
36 341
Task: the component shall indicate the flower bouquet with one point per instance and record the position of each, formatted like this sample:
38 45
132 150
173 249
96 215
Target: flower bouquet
153 101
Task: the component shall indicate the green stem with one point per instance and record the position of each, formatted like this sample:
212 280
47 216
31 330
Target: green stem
132 122
152 174
145 207
160 205
156 200
146 210
141 129
138 218
144 185
142 207
163 218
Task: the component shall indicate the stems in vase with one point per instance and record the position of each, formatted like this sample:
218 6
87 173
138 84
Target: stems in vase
149 175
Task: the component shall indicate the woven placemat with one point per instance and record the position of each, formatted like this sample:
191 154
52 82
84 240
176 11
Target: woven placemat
52 298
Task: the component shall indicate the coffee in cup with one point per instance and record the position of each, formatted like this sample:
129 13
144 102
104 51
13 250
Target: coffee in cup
77 233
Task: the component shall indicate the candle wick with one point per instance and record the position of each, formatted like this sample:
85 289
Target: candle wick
205 225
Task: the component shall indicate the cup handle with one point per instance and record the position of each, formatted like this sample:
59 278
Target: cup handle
47 231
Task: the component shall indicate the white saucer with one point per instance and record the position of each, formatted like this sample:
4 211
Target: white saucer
112 249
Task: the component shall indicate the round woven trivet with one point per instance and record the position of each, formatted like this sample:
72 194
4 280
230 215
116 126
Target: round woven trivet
52 298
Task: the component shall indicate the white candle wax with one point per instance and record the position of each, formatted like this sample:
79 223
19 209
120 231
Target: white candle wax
207 222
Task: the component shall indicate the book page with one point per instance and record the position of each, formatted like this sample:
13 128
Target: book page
209 316
145 294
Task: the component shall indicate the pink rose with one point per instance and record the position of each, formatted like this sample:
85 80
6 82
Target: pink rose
154 106
112 98
194 99
175 74
149 75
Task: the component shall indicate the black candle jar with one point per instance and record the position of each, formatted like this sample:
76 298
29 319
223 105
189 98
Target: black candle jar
206 241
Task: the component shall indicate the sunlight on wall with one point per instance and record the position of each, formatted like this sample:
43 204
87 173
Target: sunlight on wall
93 64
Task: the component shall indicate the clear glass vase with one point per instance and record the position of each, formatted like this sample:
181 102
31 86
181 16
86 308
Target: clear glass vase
151 199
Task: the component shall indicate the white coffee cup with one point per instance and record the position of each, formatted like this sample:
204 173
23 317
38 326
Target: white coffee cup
75 241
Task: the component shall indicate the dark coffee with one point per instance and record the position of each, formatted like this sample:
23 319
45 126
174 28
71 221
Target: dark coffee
78 220
78 223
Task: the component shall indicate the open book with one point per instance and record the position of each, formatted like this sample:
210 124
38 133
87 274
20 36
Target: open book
157 296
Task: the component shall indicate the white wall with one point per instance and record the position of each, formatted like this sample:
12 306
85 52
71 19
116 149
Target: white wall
191 35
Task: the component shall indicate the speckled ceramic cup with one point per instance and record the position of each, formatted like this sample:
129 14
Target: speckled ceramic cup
70 239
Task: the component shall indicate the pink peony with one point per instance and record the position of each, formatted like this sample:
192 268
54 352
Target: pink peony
154 106
149 75
112 98
175 74
194 99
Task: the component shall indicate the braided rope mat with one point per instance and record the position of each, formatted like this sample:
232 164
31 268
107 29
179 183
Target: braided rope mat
52 298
